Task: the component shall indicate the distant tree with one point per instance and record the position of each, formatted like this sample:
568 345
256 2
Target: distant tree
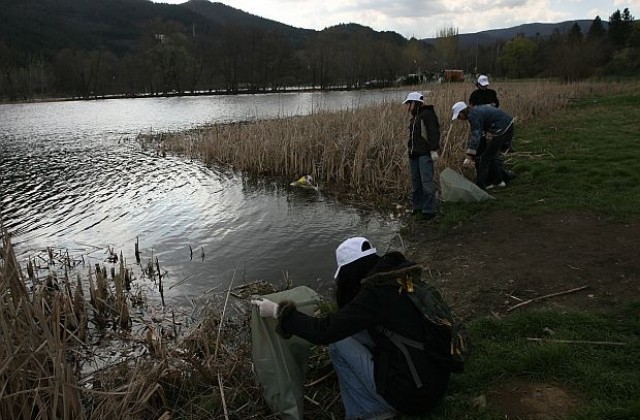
620 28
415 57
596 30
575 34
7 72
518 57
320 62
597 47
386 65
447 47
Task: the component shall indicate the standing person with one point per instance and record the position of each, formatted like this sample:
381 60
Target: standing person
423 146
377 379
483 95
500 125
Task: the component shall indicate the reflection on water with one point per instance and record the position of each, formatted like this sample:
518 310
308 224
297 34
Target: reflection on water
74 177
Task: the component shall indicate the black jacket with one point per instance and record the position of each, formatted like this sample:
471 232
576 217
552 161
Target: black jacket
380 303
484 97
424 132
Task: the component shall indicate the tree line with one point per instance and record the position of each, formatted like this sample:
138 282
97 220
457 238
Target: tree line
171 58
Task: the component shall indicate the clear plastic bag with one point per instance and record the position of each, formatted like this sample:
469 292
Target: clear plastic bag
280 365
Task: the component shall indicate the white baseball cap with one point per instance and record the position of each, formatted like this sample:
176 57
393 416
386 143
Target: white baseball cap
351 250
483 80
414 96
456 108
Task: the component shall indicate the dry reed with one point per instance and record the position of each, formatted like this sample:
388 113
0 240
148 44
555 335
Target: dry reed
363 151
48 329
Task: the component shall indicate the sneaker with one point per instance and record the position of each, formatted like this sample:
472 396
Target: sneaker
502 184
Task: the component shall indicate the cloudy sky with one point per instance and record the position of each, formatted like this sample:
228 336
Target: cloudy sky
424 18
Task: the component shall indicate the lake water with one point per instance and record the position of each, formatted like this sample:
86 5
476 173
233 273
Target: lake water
73 177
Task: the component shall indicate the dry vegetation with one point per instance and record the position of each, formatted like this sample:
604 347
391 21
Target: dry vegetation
363 151
86 345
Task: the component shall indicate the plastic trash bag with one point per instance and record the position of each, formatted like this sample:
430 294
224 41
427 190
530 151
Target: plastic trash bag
456 188
280 365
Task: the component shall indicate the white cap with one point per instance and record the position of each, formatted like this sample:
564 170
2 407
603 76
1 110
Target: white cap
456 108
483 80
351 250
414 96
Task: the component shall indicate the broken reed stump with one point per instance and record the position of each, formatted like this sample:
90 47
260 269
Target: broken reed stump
160 288
137 251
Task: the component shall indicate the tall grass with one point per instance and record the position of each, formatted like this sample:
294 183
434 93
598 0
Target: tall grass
37 330
52 329
363 150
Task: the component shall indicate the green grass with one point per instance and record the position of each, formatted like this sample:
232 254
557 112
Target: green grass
586 157
604 379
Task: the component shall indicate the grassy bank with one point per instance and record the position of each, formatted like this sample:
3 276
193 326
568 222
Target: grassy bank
581 158
362 152
587 366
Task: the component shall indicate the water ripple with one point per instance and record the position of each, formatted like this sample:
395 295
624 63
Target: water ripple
74 181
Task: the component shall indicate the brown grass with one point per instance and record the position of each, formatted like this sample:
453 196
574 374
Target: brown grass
50 328
363 151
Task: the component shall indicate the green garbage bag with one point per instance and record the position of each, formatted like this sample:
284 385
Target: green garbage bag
280 365
456 188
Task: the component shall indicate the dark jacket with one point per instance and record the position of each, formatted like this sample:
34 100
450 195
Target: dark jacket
380 303
486 118
424 132
484 97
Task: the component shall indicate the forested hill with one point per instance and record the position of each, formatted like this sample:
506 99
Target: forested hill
98 48
221 15
528 30
46 26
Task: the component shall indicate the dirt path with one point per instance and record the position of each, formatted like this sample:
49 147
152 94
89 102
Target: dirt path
491 265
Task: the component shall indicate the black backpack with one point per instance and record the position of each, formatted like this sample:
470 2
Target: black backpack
448 339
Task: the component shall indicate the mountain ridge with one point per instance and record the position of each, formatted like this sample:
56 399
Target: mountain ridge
52 25
529 30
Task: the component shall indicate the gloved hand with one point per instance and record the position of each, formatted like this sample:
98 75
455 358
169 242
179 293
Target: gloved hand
468 162
267 308
434 155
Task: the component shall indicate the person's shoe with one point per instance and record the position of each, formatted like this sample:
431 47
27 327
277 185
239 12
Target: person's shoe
509 175
502 184
424 217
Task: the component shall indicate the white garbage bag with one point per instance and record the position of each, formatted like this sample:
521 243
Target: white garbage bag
280 365
456 188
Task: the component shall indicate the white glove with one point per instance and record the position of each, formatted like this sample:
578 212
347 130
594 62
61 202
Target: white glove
468 162
267 308
434 155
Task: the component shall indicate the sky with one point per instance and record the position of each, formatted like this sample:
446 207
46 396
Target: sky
426 18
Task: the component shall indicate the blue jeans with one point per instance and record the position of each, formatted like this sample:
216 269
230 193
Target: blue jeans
353 363
422 184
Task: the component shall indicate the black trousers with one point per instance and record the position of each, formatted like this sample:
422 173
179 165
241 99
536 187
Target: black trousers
489 163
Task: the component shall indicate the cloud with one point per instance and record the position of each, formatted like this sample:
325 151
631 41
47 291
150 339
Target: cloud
424 18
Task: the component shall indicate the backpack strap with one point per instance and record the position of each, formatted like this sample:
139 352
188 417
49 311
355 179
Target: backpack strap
402 342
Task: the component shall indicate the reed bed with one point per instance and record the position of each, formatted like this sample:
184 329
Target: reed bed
362 152
54 328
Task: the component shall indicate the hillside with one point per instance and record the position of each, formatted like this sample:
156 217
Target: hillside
46 26
529 30
222 15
